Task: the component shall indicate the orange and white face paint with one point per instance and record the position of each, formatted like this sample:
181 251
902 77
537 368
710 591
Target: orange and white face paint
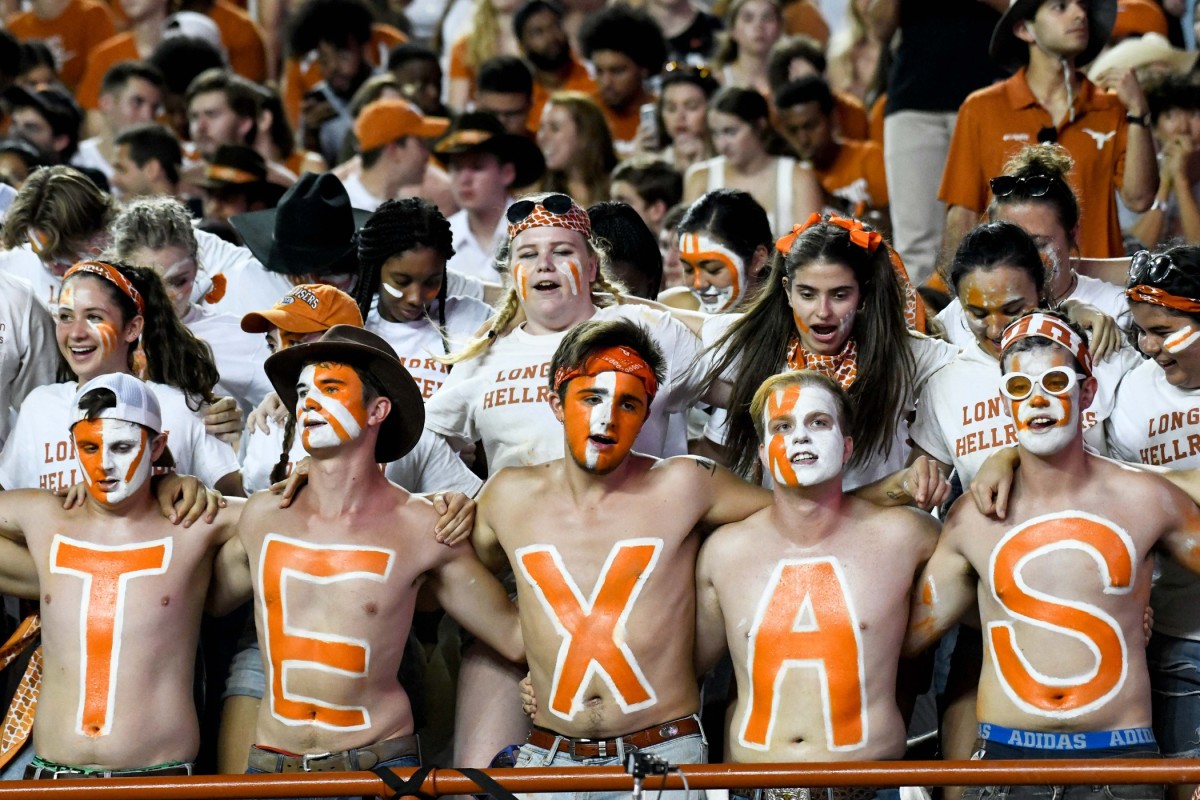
1112 550
718 275
594 639
806 620
992 299
113 455
1181 340
87 335
602 417
804 443
329 405
284 563
106 573
1045 423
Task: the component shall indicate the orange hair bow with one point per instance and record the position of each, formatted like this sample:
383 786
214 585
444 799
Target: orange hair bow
859 235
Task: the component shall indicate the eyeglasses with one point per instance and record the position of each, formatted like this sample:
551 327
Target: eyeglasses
699 70
1056 381
558 204
1034 185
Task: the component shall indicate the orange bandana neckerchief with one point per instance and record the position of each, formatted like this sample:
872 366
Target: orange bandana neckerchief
842 367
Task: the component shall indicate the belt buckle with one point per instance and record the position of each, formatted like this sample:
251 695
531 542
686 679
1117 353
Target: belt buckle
307 759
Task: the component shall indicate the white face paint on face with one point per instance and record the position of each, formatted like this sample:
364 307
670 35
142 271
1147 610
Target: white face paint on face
1181 340
1045 423
113 454
329 405
601 415
718 275
804 443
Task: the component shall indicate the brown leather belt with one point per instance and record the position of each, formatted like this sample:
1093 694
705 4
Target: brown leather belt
360 758
608 748
38 773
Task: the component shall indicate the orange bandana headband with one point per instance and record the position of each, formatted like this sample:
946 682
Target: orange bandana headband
1155 296
113 275
555 211
859 235
611 359
1052 328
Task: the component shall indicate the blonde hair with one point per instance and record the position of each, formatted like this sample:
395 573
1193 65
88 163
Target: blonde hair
605 290
483 41
153 223
63 204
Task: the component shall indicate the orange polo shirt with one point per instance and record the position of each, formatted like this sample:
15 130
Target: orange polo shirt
301 74
578 80
71 36
242 38
994 123
112 50
857 176
623 125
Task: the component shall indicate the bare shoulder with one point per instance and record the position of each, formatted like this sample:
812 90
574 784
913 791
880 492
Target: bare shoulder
512 486
687 467
964 517
737 537
913 525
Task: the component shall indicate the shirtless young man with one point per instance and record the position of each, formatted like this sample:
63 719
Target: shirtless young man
343 564
812 595
122 591
603 546
1061 591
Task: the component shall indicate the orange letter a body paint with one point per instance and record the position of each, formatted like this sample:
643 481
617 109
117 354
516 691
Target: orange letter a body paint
806 619
287 647
1113 552
593 629
106 572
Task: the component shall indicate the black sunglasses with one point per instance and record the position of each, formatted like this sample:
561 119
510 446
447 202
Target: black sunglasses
1145 268
558 204
1034 185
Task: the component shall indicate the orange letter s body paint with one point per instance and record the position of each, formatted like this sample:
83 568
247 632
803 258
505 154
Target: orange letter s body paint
593 629
287 647
805 618
106 572
1113 552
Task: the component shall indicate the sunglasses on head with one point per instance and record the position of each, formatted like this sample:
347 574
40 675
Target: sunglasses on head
1145 268
1056 381
1033 186
558 204
699 70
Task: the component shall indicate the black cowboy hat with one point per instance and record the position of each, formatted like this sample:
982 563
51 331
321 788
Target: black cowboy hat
56 105
1012 53
481 132
358 347
311 230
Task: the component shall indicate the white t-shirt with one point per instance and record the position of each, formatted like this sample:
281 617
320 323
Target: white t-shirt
88 155
21 262
28 351
249 287
1105 296
960 414
1154 422
39 453
239 355
418 343
502 397
929 355
431 465
471 256
360 198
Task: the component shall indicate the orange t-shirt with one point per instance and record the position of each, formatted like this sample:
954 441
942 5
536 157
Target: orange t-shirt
243 39
302 73
857 176
112 50
802 16
622 125
71 36
578 80
994 123
849 117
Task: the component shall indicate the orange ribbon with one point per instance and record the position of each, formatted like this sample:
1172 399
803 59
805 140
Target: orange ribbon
859 235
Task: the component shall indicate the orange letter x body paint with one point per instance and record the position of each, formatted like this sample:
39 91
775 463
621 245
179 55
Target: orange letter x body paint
593 629
106 572
288 647
805 619
1113 551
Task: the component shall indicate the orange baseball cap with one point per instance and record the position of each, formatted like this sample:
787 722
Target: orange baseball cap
385 121
309 308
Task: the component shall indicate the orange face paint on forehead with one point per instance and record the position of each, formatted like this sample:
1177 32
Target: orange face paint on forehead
695 249
802 438
332 411
602 417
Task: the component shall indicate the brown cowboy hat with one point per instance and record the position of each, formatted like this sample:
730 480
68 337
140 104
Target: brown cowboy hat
1012 53
481 132
358 347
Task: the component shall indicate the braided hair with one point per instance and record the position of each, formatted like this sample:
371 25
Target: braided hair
397 227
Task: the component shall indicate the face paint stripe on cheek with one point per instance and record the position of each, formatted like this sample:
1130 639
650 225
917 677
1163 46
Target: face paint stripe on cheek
1181 339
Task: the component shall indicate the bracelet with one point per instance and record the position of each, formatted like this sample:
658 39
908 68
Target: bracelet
1143 120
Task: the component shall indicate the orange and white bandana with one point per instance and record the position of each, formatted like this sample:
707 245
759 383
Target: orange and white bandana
1052 328
575 219
113 275
611 359
842 367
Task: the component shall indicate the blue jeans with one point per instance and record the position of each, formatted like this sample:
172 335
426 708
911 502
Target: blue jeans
683 750
989 750
1175 693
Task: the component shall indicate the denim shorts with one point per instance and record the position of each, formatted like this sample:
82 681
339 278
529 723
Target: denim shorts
691 749
1175 693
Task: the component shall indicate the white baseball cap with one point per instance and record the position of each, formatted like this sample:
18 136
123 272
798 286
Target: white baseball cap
136 402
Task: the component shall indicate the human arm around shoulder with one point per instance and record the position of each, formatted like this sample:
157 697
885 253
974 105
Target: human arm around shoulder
230 586
924 483
730 499
710 620
18 575
476 599
484 537
945 588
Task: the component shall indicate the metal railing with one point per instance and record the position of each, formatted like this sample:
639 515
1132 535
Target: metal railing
441 782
